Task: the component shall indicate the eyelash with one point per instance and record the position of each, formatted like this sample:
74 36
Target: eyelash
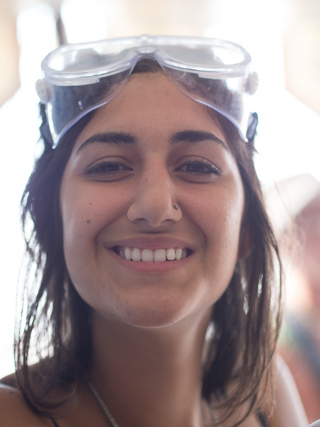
209 167
102 168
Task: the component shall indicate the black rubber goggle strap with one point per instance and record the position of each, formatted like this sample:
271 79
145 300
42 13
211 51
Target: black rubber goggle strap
252 127
44 127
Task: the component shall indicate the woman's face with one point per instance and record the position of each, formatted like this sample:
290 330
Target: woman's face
149 149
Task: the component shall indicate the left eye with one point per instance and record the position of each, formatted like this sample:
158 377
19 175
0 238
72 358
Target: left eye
200 167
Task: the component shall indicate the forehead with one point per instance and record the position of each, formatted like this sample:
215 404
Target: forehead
151 103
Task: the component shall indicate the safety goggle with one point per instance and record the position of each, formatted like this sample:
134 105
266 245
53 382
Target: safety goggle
79 78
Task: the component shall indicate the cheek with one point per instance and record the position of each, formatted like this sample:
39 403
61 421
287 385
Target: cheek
220 219
82 221
77 218
86 212
223 235
221 215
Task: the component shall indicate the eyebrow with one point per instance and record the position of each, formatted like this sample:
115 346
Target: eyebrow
109 138
184 137
194 136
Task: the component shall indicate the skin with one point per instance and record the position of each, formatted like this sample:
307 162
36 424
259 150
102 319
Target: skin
149 319
164 307
133 206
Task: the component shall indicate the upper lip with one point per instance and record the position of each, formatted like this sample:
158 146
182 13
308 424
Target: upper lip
151 243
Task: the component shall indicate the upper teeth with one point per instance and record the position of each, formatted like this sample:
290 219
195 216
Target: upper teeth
149 255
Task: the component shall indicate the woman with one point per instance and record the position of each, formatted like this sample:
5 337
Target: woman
156 302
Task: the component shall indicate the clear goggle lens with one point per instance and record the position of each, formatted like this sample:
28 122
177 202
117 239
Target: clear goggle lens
80 78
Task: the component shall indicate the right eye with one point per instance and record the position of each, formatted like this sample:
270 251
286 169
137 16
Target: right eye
107 169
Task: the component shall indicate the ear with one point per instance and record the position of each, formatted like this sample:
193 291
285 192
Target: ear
245 243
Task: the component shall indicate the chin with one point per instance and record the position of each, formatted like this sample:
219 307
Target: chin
162 315
152 319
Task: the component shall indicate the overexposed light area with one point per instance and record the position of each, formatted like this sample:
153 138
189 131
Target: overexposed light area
36 33
288 140
19 121
85 23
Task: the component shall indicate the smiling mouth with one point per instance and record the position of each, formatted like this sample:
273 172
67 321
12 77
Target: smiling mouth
150 255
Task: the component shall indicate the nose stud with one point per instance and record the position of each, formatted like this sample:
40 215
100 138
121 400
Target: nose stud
176 207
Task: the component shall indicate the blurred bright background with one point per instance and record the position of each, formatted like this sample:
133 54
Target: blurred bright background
283 37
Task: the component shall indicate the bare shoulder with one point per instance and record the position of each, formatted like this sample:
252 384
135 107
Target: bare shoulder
14 411
288 410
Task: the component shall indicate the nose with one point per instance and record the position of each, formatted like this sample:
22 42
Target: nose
154 201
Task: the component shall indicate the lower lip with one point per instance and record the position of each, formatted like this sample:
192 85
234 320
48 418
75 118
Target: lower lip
156 267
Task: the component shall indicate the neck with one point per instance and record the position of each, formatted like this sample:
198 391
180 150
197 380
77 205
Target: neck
151 376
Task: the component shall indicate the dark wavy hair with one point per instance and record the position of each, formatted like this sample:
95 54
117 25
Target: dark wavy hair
54 324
